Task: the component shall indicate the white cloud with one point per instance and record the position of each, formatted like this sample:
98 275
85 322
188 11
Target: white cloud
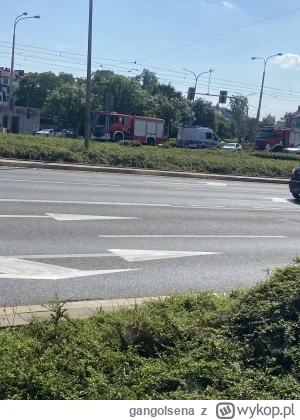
288 61
229 5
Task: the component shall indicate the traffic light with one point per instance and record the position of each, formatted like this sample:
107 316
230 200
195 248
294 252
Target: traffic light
191 93
29 113
223 97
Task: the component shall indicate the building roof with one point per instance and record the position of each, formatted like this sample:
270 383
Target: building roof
224 111
5 72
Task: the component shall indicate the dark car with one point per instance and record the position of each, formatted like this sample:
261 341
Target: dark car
295 182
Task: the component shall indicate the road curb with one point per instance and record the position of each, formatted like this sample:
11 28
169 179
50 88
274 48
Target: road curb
21 315
132 171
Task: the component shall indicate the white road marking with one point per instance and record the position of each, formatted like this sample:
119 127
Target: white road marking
105 203
175 183
65 217
55 256
208 206
69 217
96 203
15 268
133 255
57 182
266 208
281 200
17 216
217 184
189 236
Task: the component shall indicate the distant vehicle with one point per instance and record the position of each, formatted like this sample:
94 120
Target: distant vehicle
233 146
272 139
295 183
115 127
45 132
295 150
196 138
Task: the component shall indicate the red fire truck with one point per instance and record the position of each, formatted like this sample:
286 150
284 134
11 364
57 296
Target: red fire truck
110 126
272 138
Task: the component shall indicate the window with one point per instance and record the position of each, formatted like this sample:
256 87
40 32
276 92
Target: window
209 136
4 80
125 120
113 119
100 120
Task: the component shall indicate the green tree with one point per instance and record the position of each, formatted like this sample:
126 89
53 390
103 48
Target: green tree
148 81
223 126
34 89
169 91
204 114
269 120
65 78
238 109
129 96
68 102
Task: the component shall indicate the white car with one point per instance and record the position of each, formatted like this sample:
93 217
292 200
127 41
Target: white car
295 149
232 146
46 132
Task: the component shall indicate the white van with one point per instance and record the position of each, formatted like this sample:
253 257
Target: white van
196 137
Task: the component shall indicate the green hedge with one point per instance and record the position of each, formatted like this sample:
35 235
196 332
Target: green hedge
243 346
164 158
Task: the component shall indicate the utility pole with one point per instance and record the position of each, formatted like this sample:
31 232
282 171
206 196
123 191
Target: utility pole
87 120
262 88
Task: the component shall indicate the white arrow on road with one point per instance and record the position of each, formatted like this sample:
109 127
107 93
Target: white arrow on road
65 217
15 268
147 255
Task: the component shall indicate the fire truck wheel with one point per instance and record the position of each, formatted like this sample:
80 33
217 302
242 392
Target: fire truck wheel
118 137
278 148
151 141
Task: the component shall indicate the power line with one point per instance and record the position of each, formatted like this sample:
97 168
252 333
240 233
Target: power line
220 34
182 83
129 62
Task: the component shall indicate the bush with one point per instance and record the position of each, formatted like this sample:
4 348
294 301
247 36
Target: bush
162 158
131 143
241 346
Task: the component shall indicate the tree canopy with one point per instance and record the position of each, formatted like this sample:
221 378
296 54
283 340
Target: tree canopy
269 120
64 95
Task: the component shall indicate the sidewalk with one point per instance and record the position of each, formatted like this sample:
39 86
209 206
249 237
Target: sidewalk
108 169
21 315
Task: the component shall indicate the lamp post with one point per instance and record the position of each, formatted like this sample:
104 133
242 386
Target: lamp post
17 20
262 86
196 81
88 80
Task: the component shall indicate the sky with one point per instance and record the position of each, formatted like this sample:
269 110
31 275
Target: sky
146 31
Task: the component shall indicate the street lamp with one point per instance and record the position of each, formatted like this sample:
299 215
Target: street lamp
17 20
262 85
196 81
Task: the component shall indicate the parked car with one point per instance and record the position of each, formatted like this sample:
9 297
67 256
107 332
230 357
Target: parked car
295 149
295 183
233 146
46 132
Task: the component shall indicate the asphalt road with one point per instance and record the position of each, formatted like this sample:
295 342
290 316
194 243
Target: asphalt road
248 228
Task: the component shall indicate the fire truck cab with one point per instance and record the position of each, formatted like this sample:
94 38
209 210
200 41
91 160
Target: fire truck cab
111 126
271 138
